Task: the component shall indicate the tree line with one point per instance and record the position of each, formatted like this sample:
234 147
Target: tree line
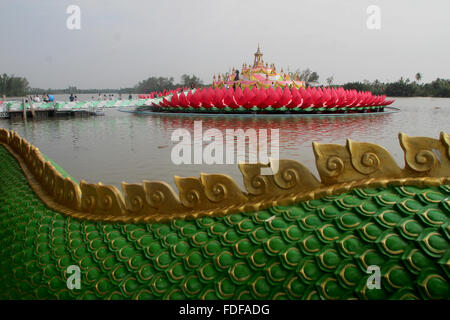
145 86
153 84
75 90
404 88
12 86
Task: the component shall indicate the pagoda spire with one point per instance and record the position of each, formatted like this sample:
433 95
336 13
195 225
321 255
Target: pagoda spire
258 59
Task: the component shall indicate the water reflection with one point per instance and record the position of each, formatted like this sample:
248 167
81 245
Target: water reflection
126 147
294 131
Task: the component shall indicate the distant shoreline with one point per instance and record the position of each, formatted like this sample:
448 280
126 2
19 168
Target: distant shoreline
125 97
439 88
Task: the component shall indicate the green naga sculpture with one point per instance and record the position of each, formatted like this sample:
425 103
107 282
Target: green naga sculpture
367 230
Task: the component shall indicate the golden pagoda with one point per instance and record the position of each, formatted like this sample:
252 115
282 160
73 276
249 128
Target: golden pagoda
259 74
258 63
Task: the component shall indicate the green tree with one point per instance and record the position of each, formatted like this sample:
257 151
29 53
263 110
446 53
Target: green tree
330 80
155 84
400 88
188 81
438 88
308 76
304 75
72 89
418 76
314 77
360 86
12 86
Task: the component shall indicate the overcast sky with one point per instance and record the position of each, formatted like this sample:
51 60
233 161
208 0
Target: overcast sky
123 42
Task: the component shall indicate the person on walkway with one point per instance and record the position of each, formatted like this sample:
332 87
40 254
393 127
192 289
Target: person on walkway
71 98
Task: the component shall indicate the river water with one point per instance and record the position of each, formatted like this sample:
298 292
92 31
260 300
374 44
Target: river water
127 147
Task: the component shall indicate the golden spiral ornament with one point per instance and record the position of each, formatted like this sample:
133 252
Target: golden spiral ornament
287 178
423 161
89 203
192 198
369 163
137 203
258 185
156 198
218 192
334 166
107 202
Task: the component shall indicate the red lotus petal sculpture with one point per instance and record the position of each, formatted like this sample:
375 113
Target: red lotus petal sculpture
262 98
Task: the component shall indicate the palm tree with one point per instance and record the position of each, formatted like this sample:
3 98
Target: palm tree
418 76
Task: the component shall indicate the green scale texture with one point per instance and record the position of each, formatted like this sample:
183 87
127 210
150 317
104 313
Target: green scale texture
316 249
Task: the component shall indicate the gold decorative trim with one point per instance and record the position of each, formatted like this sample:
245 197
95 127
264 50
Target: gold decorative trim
341 168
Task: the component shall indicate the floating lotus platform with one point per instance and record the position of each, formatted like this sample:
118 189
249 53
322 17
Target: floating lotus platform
261 89
270 100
